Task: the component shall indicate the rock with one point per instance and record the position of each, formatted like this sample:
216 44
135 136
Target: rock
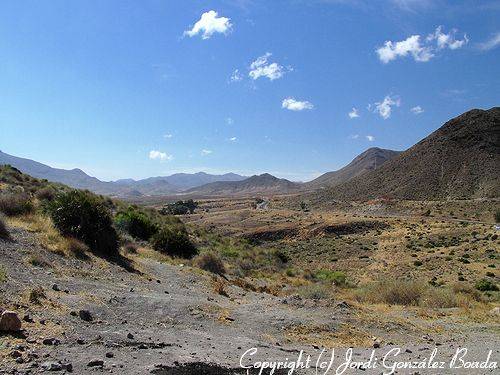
376 344
16 354
19 360
56 288
67 366
27 318
51 341
85 315
109 355
73 313
130 336
143 346
80 341
96 363
495 311
10 322
52 366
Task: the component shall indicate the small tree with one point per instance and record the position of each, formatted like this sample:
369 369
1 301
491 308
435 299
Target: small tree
136 224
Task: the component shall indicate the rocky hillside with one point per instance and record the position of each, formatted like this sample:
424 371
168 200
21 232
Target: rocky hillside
264 183
369 160
459 160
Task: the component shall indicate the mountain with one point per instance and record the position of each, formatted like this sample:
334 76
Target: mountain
75 177
261 184
369 160
459 160
123 188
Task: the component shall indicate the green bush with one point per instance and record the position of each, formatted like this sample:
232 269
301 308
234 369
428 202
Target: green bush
174 241
179 208
136 224
15 204
85 216
46 194
336 277
486 286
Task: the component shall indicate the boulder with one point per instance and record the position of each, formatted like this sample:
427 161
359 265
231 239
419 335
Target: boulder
10 322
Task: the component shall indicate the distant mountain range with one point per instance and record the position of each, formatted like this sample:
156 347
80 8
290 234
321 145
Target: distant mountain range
76 178
459 160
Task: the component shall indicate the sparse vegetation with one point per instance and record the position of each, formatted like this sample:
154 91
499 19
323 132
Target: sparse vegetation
76 248
86 217
497 216
3 274
210 262
14 204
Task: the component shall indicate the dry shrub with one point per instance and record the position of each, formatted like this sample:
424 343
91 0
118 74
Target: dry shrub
315 291
46 194
467 290
76 248
37 261
393 292
438 298
130 248
36 295
15 204
4 232
219 286
210 262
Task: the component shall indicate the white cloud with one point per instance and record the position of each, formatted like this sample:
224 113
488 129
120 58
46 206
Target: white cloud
206 152
236 76
491 43
447 40
417 110
421 50
158 155
296 105
354 113
411 45
229 121
384 108
370 138
354 136
168 136
209 24
233 139
262 68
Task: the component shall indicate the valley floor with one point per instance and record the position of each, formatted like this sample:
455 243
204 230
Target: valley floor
149 316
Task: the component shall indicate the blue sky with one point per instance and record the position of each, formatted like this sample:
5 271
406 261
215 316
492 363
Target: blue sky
153 87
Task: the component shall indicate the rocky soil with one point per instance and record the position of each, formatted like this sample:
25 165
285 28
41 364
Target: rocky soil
146 317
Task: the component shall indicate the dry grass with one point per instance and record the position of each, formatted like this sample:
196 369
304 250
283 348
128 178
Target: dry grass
38 261
4 232
219 286
324 336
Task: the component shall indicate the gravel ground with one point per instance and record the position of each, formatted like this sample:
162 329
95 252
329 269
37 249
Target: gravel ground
167 320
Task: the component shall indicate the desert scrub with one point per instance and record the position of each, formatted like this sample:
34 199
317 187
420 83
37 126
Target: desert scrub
315 291
4 232
76 248
174 241
335 277
130 248
392 292
15 204
210 262
86 217
136 223
486 286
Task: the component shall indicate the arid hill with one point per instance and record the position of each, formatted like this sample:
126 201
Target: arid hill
369 160
459 160
264 183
